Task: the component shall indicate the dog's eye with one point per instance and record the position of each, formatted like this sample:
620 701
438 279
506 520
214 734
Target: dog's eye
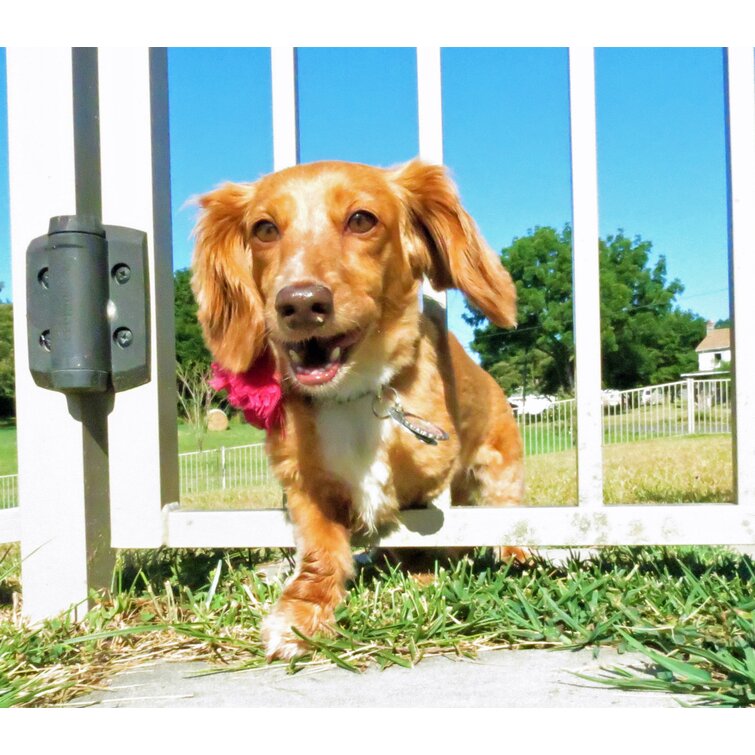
264 230
362 221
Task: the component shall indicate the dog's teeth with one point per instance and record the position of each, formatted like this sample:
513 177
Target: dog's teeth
295 358
335 355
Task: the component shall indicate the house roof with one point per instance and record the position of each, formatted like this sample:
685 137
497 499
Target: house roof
715 340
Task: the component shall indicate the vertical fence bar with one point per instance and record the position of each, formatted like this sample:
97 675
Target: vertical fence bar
430 126
285 118
584 170
62 554
741 154
430 104
136 193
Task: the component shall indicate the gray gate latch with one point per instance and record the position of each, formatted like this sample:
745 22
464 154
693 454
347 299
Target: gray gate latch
87 306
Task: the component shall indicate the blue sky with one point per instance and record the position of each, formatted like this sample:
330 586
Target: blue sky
661 147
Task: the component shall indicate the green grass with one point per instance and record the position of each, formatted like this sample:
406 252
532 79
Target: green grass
239 433
545 435
689 610
8 459
692 469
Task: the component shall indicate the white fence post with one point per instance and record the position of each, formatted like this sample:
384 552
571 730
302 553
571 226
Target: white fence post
690 406
62 442
741 143
222 466
430 104
135 168
430 126
586 276
285 123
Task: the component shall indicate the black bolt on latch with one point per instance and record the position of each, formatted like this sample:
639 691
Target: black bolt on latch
88 306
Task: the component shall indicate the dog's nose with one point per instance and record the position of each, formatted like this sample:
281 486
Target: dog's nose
302 307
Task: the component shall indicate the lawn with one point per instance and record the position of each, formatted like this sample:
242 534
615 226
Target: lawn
689 610
8 462
690 469
238 434
684 470
549 433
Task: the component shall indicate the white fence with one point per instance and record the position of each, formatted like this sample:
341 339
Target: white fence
217 469
224 468
110 473
686 407
8 491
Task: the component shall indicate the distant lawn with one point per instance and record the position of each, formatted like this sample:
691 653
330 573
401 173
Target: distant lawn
695 469
691 469
8 461
238 434
686 469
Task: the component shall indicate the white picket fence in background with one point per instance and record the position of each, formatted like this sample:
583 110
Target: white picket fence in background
685 407
224 468
8 491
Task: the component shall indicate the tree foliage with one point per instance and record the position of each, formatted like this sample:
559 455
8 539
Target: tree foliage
645 338
7 367
195 398
190 346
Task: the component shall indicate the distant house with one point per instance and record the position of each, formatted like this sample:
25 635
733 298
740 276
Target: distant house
715 349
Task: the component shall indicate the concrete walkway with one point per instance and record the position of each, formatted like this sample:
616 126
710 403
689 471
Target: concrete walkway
498 678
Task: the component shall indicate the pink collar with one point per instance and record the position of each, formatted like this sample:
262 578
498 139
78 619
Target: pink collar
257 392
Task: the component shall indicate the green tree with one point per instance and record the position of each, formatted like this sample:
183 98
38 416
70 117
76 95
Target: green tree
7 367
195 398
645 338
190 347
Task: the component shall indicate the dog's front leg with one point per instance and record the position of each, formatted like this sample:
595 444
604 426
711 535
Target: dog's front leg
323 564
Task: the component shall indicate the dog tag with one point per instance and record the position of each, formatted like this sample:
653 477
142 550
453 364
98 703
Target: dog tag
426 431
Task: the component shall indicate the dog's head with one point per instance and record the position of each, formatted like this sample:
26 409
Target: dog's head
323 262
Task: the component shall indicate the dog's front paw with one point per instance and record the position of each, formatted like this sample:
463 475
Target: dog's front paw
279 639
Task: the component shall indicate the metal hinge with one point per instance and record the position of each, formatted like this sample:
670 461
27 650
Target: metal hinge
88 306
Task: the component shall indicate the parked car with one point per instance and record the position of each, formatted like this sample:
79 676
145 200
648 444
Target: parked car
651 396
531 404
610 398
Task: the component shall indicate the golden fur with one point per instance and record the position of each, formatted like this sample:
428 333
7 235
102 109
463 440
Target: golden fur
342 468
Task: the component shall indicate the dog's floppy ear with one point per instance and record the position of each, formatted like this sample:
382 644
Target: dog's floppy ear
230 305
446 245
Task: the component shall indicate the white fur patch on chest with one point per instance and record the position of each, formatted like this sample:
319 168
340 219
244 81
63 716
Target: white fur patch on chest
354 447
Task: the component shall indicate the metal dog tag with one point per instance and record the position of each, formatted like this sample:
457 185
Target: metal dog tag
426 431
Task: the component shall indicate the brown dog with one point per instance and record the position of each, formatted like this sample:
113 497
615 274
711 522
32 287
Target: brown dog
322 264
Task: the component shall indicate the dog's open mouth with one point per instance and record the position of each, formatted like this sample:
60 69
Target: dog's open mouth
316 361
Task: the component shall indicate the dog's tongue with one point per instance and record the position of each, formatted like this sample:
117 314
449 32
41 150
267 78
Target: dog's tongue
317 361
317 375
